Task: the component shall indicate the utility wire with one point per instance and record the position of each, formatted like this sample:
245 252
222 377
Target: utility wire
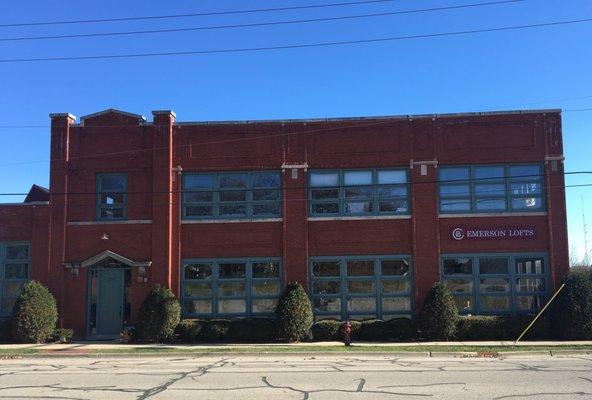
202 14
256 24
295 46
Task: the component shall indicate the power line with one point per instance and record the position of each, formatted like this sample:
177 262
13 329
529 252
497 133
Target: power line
295 46
256 24
202 14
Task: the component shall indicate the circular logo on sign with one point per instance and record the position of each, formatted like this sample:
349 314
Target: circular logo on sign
458 234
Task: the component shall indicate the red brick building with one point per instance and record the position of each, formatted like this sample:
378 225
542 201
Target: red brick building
367 213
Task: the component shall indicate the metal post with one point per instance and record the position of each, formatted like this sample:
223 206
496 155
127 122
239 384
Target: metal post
539 314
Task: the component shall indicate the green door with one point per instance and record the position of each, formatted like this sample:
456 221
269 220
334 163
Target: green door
110 302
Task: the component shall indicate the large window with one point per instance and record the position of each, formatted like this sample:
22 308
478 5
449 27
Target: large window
491 188
14 273
219 288
359 192
497 283
232 195
361 287
111 196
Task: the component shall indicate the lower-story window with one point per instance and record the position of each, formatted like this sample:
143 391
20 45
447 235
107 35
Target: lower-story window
497 283
231 288
361 287
14 273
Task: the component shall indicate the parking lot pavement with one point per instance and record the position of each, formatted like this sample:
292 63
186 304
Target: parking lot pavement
286 376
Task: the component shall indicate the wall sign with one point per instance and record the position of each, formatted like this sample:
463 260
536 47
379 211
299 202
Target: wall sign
493 233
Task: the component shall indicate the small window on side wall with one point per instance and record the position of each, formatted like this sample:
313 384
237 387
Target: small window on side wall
111 196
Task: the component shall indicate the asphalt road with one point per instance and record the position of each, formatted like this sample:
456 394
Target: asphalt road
298 377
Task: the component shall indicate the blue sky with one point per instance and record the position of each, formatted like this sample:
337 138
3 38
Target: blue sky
536 68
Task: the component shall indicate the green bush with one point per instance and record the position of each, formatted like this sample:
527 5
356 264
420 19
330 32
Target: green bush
439 314
34 315
252 330
5 336
372 330
327 330
61 335
294 313
572 309
236 330
401 329
397 329
159 315
501 327
190 330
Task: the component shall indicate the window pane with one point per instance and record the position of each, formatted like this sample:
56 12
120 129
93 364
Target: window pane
198 306
324 304
266 195
453 174
358 207
393 206
530 266
455 205
525 171
266 209
489 172
493 265
238 181
111 212
455 190
12 288
527 203
233 195
530 285
361 304
198 211
321 179
115 183
351 178
323 194
229 289
530 302
17 252
396 304
16 271
198 271
358 192
490 190
526 188
325 268
490 204
112 198
266 180
394 267
494 285
392 191
264 305
196 197
7 305
458 266
266 269
233 209
464 303
236 306
394 176
460 285
326 287
232 271
360 268
395 286
325 208
357 287
265 288
198 182
193 289
495 303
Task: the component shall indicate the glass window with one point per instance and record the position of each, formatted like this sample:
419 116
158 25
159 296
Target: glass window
231 288
361 192
232 195
491 188
497 284
14 273
361 288
111 196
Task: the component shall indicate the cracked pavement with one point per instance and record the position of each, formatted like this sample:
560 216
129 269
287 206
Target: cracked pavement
290 376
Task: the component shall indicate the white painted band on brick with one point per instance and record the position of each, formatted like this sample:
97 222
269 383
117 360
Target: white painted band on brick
479 215
125 222
359 218
222 221
31 203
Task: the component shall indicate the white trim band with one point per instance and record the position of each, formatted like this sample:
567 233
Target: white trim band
123 222
359 218
222 221
505 214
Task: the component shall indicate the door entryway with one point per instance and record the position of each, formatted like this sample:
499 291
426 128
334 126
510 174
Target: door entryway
110 302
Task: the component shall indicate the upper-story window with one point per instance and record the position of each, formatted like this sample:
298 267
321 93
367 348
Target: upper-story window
111 196
359 192
491 188
14 273
232 195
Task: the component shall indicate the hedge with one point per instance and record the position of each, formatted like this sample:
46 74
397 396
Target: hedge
571 312
5 335
398 329
34 315
501 327
230 330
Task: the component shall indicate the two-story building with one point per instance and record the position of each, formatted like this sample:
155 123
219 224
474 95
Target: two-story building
367 213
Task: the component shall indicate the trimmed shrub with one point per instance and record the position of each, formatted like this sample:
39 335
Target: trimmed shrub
397 329
294 313
327 330
237 330
501 327
34 315
159 314
61 335
252 330
216 330
572 309
5 335
401 329
439 314
372 330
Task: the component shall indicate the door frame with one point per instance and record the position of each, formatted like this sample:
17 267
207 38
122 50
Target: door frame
90 273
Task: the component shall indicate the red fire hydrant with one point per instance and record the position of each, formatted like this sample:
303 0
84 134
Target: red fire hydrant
347 328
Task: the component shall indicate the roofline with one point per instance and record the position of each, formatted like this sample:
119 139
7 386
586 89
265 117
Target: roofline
380 117
111 110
